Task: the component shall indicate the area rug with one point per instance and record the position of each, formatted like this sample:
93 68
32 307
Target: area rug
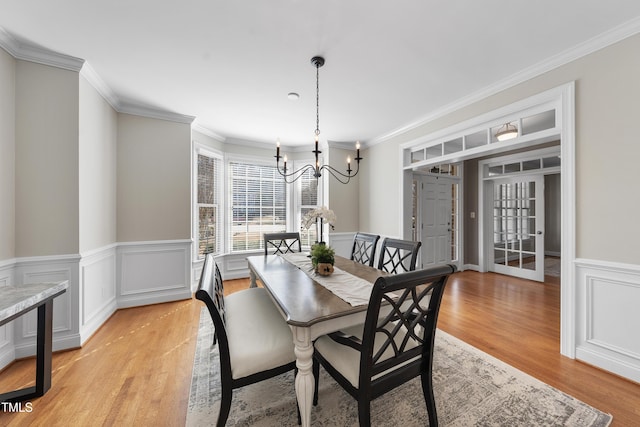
471 389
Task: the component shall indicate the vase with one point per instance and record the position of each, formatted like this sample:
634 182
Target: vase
324 268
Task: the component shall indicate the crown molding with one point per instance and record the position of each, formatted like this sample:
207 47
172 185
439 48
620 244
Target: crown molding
99 85
578 51
38 54
152 113
206 131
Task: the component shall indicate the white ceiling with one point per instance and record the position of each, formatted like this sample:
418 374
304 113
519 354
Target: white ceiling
231 64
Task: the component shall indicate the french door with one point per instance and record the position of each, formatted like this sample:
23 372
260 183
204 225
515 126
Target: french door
518 226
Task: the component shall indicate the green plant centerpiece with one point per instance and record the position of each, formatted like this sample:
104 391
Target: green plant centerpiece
323 258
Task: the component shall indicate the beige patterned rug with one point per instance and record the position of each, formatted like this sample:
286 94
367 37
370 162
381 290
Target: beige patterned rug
471 389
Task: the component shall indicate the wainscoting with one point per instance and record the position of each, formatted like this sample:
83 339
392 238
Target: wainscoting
100 282
607 316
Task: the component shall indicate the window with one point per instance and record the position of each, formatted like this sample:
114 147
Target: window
209 169
307 197
258 204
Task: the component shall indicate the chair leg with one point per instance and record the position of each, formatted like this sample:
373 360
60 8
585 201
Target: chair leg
225 406
429 398
295 374
364 411
316 377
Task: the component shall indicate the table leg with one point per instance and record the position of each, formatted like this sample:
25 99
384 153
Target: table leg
44 348
304 380
252 278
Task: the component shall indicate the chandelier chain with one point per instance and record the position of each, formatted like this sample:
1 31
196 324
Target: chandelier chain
317 99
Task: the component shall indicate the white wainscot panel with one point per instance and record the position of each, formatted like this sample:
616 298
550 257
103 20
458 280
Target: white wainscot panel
608 297
98 290
154 273
65 306
342 243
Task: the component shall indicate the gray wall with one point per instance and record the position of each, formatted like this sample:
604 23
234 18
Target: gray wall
154 179
46 166
7 156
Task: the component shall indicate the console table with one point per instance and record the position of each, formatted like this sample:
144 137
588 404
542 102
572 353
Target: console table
16 301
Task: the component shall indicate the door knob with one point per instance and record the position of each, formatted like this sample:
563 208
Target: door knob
539 232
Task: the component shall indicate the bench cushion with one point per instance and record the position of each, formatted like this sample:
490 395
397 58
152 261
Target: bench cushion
259 337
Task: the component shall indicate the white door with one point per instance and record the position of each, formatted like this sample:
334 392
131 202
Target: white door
436 216
518 227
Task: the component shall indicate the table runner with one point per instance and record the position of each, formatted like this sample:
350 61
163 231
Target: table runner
352 289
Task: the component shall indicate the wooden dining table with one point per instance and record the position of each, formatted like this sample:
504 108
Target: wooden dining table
310 309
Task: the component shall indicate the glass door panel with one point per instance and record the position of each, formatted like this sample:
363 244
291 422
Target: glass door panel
518 225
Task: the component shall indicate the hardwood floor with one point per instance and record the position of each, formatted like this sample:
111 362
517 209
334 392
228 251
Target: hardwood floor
136 370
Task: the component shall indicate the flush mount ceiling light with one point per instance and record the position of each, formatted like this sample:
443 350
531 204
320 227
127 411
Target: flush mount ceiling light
289 177
293 96
508 131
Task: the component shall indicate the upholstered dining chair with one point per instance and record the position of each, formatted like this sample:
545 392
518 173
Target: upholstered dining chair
254 340
364 248
394 345
282 243
398 256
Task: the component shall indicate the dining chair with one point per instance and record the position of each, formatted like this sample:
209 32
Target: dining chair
364 248
282 243
393 346
398 256
254 340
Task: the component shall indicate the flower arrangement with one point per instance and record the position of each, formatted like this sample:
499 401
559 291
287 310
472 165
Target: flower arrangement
323 213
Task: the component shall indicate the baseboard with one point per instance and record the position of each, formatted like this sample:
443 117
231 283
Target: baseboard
28 349
97 320
7 355
472 267
155 298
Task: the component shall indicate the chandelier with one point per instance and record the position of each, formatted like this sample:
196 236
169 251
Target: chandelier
317 169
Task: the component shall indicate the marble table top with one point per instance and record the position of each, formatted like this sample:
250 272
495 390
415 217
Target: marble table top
17 299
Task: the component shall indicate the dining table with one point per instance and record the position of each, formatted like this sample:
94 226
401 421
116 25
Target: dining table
310 308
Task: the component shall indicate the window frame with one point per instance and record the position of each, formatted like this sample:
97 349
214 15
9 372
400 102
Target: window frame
201 149
293 196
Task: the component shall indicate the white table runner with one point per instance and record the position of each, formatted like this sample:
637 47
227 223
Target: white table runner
352 289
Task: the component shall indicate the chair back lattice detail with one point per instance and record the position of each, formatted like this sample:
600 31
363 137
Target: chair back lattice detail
282 243
398 256
364 248
401 322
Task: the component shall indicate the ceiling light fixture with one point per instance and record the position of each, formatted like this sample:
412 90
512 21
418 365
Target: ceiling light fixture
317 61
508 131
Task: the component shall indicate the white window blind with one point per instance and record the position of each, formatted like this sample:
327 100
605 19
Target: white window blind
307 189
208 205
258 204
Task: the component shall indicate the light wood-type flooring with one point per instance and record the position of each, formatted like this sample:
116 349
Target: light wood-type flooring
136 370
